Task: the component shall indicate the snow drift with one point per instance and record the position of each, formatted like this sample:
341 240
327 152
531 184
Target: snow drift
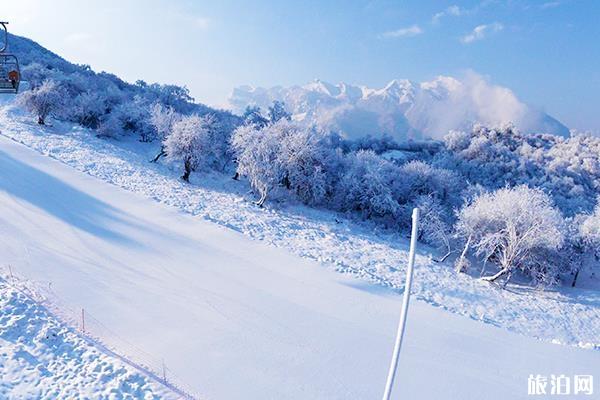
403 109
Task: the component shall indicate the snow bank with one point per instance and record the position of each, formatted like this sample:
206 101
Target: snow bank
43 359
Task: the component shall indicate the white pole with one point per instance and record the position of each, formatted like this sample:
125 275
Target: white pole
401 325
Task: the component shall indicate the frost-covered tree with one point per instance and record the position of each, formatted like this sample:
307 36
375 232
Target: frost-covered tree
162 119
516 229
309 162
434 223
590 230
567 169
183 143
42 100
288 154
584 240
195 140
110 126
35 74
257 153
88 108
253 116
365 186
278 112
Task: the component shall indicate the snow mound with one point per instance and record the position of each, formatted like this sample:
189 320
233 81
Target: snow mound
43 359
403 109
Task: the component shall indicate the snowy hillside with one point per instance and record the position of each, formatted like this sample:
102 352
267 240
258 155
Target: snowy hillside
403 109
233 317
43 359
236 318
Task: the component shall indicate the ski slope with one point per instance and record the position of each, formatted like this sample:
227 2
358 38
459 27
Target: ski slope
238 319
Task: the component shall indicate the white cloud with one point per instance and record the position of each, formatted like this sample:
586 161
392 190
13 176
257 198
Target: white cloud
403 32
550 4
481 31
454 11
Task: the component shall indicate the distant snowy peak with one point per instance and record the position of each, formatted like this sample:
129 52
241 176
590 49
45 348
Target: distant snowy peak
402 109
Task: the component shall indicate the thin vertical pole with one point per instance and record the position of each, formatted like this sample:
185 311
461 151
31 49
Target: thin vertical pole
82 320
164 370
402 324
12 278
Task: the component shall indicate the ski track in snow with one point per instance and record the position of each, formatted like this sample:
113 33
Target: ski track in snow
43 359
566 316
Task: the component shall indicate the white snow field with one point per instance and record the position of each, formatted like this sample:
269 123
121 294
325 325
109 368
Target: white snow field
235 318
43 359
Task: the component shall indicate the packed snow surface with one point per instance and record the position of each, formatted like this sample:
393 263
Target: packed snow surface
236 318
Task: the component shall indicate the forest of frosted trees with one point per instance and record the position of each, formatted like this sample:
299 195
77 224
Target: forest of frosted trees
499 203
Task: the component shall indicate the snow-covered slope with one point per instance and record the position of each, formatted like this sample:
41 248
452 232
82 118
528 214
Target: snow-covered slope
41 358
403 109
236 318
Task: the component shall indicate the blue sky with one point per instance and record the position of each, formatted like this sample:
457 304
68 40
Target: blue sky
546 51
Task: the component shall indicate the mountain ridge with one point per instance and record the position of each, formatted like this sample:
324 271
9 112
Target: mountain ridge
403 109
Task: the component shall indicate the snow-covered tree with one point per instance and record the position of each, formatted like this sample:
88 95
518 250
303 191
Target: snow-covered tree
365 186
88 108
35 74
309 162
567 169
278 112
257 153
584 242
196 141
110 126
515 229
434 223
42 100
134 117
183 143
253 116
162 119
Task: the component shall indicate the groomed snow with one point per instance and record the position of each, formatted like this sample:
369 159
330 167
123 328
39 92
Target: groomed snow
235 318
41 358
568 316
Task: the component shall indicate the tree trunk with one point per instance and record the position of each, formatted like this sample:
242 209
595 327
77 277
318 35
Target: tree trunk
507 280
236 177
41 121
444 257
261 201
188 170
160 154
575 277
459 263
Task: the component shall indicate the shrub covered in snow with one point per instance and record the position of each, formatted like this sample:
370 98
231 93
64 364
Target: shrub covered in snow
197 141
103 101
515 229
567 169
282 153
366 186
42 100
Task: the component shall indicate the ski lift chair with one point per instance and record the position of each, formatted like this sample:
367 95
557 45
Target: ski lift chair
10 74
